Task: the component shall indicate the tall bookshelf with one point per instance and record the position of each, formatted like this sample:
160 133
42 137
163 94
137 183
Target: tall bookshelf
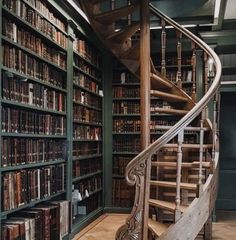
87 153
51 112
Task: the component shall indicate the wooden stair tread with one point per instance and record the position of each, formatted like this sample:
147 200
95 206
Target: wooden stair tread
187 145
123 34
166 127
168 96
132 53
188 186
170 206
156 227
109 17
155 80
170 111
184 164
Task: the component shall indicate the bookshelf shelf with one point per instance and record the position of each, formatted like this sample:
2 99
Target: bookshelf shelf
126 84
86 176
31 165
87 123
126 115
87 157
27 25
87 140
29 135
87 106
27 106
125 153
90 195
87 90
31 204
9 41
31 79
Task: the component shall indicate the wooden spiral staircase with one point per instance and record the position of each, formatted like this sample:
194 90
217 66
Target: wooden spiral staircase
175 180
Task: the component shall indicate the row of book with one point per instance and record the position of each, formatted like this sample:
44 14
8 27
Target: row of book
84 167
86 206
34 94
36 20
85 187
33 43
120 163
173 60
85 82
43 222
124 77
125 107
24 186
87 68
23 63
87 132
86 50
86 148
122 194
83 114
21 121
121 92
19 151
127 144
126 125
42 7
86 98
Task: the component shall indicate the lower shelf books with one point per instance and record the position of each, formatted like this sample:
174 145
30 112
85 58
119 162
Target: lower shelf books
25 186
48 221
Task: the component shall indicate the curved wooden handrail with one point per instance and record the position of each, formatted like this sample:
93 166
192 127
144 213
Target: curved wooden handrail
131 169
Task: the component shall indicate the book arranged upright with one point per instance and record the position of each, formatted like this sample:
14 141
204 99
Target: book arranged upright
87 130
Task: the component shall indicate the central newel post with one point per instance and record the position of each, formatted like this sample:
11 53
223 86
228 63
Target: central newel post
145 103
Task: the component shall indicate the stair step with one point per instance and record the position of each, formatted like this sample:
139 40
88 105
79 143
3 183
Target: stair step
168 96
156 227
109 17
194 129
125 33
170 206
194 164
132 53
190 176
173 194
188 186
170 111
187 145
158 80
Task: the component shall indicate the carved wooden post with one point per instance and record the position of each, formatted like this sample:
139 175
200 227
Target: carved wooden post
163 48
179 59
178 175
194 63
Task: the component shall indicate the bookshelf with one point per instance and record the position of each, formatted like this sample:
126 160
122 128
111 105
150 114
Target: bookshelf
52 117
87 152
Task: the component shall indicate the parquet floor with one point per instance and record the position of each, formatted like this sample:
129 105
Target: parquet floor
104 228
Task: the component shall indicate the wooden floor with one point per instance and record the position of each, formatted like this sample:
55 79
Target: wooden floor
105 227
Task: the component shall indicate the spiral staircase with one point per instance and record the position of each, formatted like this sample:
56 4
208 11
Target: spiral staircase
175 180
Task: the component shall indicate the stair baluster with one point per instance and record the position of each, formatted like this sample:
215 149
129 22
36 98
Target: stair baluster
179 59
163 47
194 63
178 177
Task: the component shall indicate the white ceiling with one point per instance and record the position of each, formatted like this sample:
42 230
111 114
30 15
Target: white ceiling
230 11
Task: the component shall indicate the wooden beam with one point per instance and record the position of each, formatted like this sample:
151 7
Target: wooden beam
145 101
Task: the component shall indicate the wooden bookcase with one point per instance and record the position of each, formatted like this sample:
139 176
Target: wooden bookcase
52 111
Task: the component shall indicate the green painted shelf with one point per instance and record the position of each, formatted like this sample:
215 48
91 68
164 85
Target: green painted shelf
87 140
87 90
88 123
31 165
90 194
87 74
87 106
87 157
30 135
86 176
